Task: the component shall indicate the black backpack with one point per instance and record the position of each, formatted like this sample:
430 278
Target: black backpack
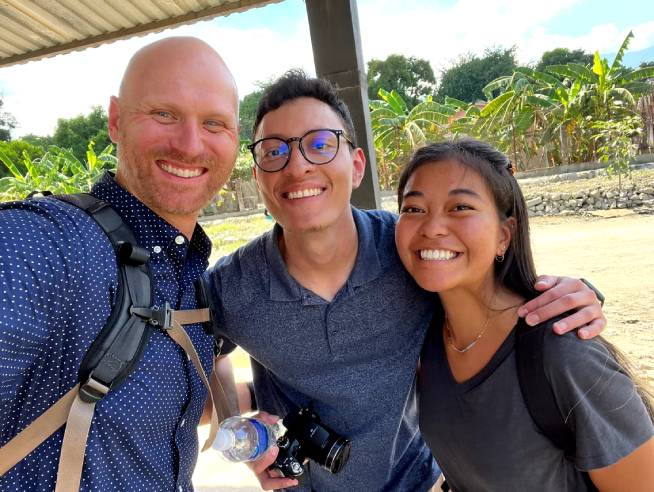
538 394
119 346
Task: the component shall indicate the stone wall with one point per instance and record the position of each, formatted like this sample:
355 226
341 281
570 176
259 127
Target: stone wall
631 195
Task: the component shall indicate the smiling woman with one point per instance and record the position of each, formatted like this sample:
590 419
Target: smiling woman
463 233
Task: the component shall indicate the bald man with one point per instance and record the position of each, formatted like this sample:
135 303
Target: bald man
175 125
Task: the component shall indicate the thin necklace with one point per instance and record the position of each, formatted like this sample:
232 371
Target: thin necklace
450 338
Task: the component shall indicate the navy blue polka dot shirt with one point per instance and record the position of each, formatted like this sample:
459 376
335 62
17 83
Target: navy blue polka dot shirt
58 277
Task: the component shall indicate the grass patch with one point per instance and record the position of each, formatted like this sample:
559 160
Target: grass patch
227 235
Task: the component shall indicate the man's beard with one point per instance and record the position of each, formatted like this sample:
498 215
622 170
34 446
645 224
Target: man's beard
176 199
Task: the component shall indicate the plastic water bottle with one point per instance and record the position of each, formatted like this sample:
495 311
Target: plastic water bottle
244 439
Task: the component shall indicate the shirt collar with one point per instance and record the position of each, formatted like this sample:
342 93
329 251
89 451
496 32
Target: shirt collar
367 266
149 229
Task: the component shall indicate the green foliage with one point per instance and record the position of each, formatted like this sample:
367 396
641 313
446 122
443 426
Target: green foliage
57 170
7 123
398 130
248 112
38 141
412 78
16 149
75 133
616 143
468 77
553 113
243 167
563 56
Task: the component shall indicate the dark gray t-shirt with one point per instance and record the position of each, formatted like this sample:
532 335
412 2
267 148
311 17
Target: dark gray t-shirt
354 357
484 439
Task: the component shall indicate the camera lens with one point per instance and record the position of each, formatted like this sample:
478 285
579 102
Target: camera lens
338 455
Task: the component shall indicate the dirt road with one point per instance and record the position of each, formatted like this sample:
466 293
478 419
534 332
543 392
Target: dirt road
614 249
616 252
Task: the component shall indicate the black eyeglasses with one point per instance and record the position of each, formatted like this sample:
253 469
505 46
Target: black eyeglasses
319 146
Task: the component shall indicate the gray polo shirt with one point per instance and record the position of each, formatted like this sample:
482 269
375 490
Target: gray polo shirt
484 438
354 357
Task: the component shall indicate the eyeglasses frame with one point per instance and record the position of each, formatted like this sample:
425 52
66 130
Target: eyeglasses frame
288 141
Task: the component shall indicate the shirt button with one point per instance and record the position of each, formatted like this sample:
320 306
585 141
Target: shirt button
181 424
157 249
180 489
179 240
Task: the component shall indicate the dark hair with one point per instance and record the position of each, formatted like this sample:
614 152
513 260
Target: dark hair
517 272
295 84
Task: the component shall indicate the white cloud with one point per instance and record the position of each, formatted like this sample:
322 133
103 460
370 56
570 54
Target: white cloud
40 92
442 33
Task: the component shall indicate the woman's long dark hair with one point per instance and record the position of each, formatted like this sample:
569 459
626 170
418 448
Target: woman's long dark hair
517 272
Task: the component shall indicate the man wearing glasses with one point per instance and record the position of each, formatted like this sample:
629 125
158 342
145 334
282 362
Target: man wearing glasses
322 303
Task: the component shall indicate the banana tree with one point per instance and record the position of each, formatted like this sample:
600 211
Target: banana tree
605 92
515 117
398 131
58 171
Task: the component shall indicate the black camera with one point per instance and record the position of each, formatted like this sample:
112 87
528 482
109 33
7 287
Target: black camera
307 438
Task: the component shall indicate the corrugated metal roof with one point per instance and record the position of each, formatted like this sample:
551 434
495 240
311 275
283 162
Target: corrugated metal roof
33 29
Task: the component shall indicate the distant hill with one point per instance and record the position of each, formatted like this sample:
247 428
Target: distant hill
634 58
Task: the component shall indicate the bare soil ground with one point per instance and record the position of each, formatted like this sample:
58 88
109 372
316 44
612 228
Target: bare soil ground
613 249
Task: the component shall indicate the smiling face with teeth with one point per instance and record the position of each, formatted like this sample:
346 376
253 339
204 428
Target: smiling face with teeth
175 126
449 230
304 196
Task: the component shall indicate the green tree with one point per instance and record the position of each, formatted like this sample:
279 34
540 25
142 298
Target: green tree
75 133
558 109
16 150
248 112
398 130
411 78
37 140
511 119
562 56
646 64
617 144
466 80
7 123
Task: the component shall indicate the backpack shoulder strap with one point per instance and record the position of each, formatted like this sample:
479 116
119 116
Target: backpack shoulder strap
112 356
116 351
538 393
536 388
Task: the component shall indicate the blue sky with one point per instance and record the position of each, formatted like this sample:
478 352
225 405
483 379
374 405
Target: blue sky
263 43
575 20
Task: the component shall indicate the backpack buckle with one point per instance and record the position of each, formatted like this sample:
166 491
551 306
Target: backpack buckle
154 315
93 390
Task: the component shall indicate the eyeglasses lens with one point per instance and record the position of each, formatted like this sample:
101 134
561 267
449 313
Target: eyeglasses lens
320 146
271 153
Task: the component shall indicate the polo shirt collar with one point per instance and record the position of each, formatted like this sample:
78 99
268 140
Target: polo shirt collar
367 266
149 229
